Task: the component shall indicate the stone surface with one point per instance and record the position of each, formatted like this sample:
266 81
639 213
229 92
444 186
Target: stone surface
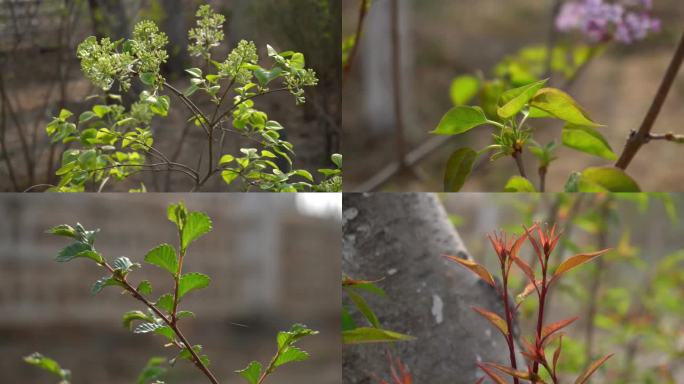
401 237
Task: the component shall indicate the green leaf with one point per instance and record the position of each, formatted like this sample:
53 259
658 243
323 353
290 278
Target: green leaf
72 251
610 178
86 116
337 159
194 72
131 316
154 369
458 168
251 373
167 332
576 183
176 214
363 307
459 120
144 288
519 184
463 89
561 106
65 114
146 328
196 225
104 282
290 354
148 78
63 230
165 302
264 76
229 176
50 365
305 174
587 139
192 281
124 265
225 159
514 100
163 256
373 335
161 106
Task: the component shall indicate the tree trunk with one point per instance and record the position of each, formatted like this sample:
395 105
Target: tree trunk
401 237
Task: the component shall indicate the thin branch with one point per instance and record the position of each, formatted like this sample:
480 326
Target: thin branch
196 359
517 155
191 106
224 114
396 81
639 138
363 11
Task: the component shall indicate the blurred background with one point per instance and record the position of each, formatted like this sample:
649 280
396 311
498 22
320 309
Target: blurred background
442 39
273 260
40 74
628 300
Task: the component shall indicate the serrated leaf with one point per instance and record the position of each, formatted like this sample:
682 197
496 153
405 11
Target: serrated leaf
296 332
196 225
72 251
104 282
131 316
154 369
165 302
163 256
460 119
588 140
561 106
48 364
475 268
365 335
63 230
146 328
124 265
458 168
519 184
251 373
289 355
495 319
192 281
610 178
144 288
181 314
167 332
514 100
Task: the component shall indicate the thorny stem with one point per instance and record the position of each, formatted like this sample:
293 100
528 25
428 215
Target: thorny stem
639 138
137 295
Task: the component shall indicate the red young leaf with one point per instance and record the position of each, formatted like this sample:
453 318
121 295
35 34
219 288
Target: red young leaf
592 368
475 268
493 318
497 379
529 288
556 353
575 261
525 267
510 371
346 281
551 328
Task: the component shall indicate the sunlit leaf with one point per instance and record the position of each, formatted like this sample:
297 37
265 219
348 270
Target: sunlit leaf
475 268
514 100
561 106
576 261
519 184
587 139
610 178
459 120
463 89
373 335
493 318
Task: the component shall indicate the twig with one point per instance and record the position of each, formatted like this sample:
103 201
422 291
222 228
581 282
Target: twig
363 11
196 359
639 138
396 81
517 155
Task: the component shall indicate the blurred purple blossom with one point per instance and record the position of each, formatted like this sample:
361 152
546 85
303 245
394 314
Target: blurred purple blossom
599 20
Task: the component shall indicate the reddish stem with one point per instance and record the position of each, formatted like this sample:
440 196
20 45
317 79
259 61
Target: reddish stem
509 322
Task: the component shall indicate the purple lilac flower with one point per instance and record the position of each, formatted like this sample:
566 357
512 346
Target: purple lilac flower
599 20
